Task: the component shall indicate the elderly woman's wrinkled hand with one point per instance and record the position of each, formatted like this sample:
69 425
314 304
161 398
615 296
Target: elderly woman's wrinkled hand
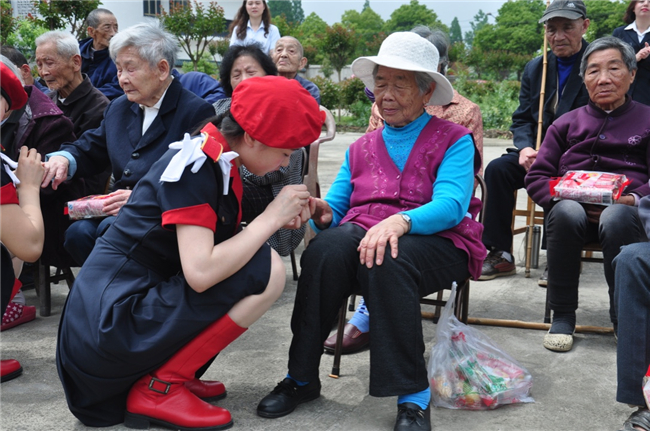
290 206
373 246
115 201
321 212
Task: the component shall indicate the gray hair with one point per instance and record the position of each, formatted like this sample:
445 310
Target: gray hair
150 40
93 18
440 40
66 44
609 42
422 79
14 69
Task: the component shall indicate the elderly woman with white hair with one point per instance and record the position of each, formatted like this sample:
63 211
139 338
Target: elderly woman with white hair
398 221
137 127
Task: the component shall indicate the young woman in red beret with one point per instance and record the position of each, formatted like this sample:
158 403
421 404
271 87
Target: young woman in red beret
175 279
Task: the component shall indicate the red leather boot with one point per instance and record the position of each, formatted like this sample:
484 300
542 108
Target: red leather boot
207 390
162 397
9 369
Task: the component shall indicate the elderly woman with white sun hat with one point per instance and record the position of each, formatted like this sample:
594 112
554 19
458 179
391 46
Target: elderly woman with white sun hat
398 221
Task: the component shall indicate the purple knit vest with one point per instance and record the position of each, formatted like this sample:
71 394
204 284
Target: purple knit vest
380 190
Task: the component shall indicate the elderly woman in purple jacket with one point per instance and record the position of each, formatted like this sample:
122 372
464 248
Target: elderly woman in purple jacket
610 134
398 222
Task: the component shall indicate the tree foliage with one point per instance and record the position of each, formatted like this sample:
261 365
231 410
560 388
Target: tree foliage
455 33
517 29
291 9
195 26
7 21
368 27
480 19
339 43
407 16
59 14
604 17
24 36
310 32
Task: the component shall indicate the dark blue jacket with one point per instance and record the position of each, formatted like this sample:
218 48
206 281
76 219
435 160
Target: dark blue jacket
119 142
525 118
640 88
100 69
201 84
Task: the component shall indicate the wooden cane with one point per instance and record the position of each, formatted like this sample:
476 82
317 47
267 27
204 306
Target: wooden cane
521 324
538 142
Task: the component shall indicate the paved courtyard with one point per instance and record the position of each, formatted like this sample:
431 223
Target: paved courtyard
572 391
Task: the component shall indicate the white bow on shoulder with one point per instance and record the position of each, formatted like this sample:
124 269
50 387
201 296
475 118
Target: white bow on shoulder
10 164
192 153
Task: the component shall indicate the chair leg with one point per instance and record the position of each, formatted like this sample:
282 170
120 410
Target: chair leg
294 267
69 277
42 285
547 310
338 347
352 306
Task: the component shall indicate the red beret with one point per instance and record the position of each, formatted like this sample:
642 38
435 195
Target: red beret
277 112
12 88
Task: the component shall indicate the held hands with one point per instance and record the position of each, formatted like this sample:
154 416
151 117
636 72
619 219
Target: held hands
527 157
290 208
115 201
30 169
321 212
373 246
56 171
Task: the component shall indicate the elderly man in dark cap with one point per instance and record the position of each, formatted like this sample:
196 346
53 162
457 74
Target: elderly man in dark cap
566 23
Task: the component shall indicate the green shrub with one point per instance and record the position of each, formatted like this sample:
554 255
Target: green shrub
205 65
330 93
497 100
360 113
352 90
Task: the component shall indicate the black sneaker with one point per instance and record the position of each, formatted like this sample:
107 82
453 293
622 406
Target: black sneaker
285 398
410 417
496 266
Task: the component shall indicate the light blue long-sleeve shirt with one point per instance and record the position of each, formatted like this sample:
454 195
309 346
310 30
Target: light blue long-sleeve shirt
452 189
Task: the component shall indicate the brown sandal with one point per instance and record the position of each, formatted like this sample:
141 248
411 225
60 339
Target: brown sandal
640 418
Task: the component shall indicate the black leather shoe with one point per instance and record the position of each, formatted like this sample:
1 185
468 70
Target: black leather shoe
410 417
285 398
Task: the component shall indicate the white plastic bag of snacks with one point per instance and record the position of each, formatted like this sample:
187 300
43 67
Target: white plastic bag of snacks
468 371
87 207
589 187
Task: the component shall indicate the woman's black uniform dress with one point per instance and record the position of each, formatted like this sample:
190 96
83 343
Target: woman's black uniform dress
130 308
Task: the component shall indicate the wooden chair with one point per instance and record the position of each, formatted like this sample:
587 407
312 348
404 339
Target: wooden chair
460 309
534 217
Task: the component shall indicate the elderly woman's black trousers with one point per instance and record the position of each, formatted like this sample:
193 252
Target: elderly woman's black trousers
331 272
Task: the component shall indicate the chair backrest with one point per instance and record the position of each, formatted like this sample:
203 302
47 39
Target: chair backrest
311 165
482 188
311 178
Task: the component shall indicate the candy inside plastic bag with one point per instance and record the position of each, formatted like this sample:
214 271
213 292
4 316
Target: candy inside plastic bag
468 371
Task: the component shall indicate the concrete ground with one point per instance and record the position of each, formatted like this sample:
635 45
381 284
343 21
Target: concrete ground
572 391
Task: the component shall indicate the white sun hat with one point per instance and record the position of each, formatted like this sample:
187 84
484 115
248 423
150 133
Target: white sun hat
406 51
